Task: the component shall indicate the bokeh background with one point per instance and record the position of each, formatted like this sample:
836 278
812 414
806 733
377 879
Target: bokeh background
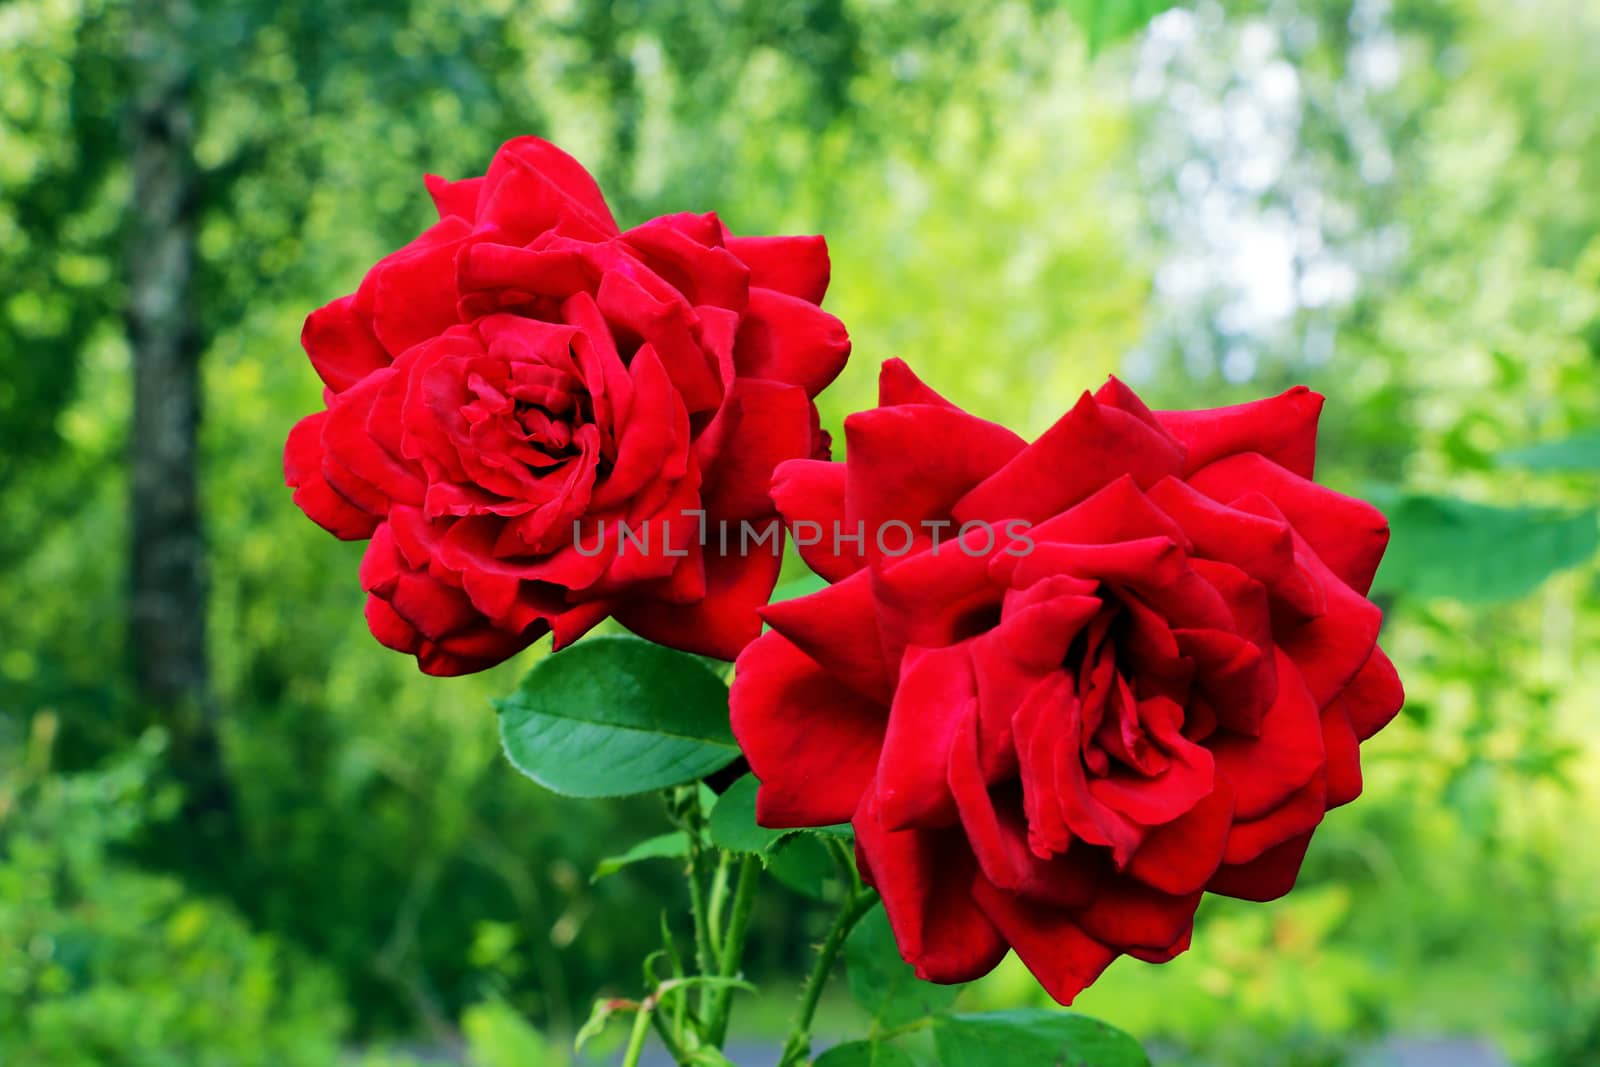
236 831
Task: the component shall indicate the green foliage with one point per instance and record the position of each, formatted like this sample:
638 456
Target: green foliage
803 584
1105 22
1580 452
864 1054
497 1036
883 983
1440 547
732 824
804 864
613 716
899 1003
1033 1036
106 964
663 846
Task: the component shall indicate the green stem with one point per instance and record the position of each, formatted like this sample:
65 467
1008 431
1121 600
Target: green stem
703 957
641 1028
744 899
719 898
664 1030
844 859
680 998
798 1047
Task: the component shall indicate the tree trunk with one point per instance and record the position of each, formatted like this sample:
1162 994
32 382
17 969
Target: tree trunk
167 561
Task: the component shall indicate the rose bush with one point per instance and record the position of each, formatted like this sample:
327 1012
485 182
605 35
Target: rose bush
1057 741
508 390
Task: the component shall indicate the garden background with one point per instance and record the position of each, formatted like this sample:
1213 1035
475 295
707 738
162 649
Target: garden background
236 831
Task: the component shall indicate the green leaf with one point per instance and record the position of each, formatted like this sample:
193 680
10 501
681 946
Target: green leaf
599 1016
1440 547
1105 22
864 1054
1033 1035
497 1035
883 983
802 863
612 716
713 981
1580 452
733 821
664 846
804 585
733 825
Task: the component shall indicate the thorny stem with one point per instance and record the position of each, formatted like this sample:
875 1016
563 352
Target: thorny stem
857 904
732 947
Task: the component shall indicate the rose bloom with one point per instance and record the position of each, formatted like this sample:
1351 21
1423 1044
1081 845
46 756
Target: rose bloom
1057 741
523 376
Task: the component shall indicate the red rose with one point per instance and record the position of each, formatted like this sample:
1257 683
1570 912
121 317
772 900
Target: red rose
1136 666
510 389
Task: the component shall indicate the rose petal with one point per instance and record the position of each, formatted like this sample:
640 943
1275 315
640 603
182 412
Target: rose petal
837 627
1266 770
347 437
1087 449
722 623
1374 696
935 692
797 266
1300 814
451 637
532 187
1343 770
302 471
490 274
340 342
1267 877
789 340
702 270
667 325
910 464
411 293
454 198
936 597
924 878
1128 914
1048 941
810 496
1028 645
1330 649
1347 534
653 445
1119 511
1257 544
1002 855
898 384
1181 857
770 423
811 741
1282 428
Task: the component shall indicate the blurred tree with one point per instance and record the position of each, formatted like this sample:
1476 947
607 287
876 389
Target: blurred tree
167 595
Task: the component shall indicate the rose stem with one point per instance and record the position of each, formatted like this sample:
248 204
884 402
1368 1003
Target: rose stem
856 904
744 899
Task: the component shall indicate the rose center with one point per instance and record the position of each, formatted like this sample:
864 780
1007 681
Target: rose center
1113 737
